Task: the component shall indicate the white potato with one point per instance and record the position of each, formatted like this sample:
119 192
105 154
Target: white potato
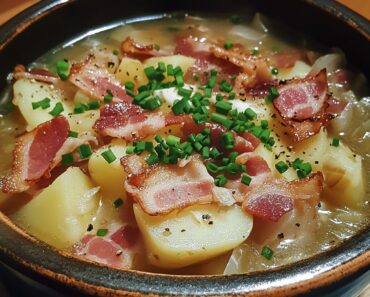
185 237
344 180
176 60
27 91
131 70
299 70
83 122
110 177
60 214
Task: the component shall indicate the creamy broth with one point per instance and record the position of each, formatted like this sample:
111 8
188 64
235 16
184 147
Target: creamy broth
335 223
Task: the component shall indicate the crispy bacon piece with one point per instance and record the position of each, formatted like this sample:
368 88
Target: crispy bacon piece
117 248
303 104
138 51
41 75
205 61
287 58
128 121
34 155
254 69
96 81
272 199
161 189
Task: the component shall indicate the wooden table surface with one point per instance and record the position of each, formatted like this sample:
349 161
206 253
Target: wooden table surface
9 8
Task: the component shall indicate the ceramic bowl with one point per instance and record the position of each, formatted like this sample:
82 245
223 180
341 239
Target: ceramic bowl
30 34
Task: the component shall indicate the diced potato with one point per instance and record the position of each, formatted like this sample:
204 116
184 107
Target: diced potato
299 70
131 70
176 60
60 214
186 237
344 180
83 122
313 149
81 97
27 91
110 177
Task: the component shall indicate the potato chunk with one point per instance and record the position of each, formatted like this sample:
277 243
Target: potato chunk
60 214
299 70
193 234
131 70
27 91
176 60
109 176
344 180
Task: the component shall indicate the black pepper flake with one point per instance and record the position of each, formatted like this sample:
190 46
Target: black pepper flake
111 64
167 229
90 227
119 252
316 162
183 230
281 235
210 223
297 224
319 205
206 216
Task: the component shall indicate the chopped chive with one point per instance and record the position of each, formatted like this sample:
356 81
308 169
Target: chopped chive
173 140
62 67
67 159
267 252
152 159
161 67
255 52
129 85
79 108
93 104
223 107
227 140
109 156
169 70
264 124
205 152
273 94
179 80
281 166
57 110
141 96
85 151
335 142
151 103
215 153
102 232
220 180
116 52
108 97
184 92
222 120
73 134
226 87
118 202
250 113
228 45
129 149
274 71
246 179
44 103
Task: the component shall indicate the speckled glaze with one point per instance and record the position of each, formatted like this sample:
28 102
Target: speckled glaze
40 25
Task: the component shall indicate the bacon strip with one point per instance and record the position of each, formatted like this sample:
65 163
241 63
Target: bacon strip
183 186
118 248
34 153
95 80
138 51
128 121
303 103
271 200
41 75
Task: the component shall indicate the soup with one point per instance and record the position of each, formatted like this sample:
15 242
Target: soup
188 146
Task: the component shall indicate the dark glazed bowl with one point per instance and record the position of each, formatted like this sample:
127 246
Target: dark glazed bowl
47 24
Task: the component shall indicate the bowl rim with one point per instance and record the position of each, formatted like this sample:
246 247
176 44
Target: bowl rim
322 275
